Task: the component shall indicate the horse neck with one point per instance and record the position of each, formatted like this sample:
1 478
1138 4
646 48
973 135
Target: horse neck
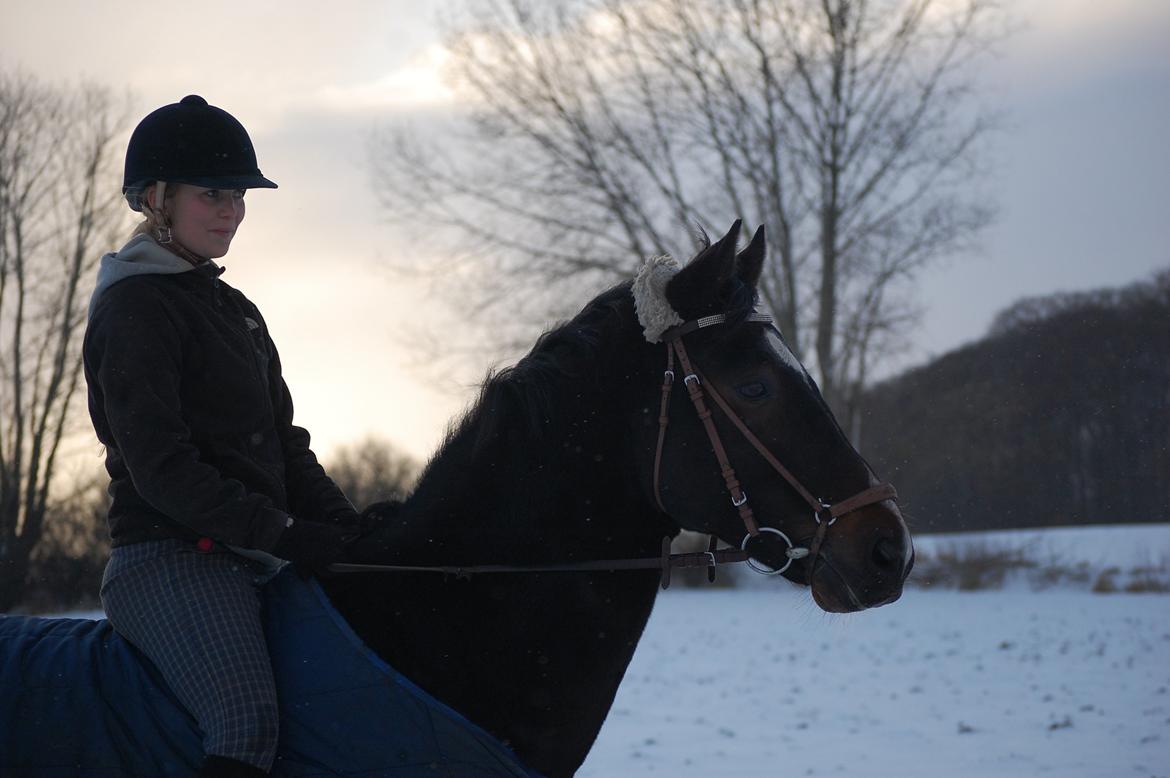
546 465
521 503
534 658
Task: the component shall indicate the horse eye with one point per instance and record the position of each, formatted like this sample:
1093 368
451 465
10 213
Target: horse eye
752 391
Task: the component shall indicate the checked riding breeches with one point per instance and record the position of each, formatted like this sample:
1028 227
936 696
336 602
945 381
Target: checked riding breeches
197 616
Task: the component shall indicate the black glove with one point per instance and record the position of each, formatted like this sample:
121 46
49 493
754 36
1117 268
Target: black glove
349 519
312 545
379 515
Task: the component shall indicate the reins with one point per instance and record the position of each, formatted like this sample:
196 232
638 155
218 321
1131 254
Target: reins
824 513
666 562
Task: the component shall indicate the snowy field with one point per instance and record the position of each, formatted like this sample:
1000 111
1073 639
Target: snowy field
1012 682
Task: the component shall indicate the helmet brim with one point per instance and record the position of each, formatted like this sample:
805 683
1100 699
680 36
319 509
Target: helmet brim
133 193
246 181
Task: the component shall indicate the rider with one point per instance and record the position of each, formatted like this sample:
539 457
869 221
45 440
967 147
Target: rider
212 485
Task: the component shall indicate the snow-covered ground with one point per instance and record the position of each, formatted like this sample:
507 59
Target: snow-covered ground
1004 683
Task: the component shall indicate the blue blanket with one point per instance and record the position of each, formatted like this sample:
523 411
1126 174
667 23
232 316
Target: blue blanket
76 699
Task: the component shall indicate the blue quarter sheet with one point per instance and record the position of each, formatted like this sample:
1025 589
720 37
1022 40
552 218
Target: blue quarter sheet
78 700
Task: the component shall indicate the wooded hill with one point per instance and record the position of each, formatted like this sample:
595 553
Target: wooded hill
1060 415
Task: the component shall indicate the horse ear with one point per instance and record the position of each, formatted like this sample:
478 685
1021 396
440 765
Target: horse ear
750 261
695 290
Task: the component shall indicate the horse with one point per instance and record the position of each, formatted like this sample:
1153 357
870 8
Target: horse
563 459
549 510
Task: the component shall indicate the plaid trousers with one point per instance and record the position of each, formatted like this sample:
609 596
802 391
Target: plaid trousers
196 616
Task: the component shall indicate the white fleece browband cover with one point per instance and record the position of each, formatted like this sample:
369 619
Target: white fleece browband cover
654 311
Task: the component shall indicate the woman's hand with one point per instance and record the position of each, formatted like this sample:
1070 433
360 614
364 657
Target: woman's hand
312 545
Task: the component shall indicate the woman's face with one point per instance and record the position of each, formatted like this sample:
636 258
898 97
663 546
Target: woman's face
205 220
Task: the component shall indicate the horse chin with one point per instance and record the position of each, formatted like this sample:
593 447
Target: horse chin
834 594
830 591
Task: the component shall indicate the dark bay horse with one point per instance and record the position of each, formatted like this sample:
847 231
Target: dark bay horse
563 460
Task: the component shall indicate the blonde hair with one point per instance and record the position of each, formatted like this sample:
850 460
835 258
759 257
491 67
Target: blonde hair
157 224
154 218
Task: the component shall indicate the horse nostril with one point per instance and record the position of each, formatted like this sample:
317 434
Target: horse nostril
887 553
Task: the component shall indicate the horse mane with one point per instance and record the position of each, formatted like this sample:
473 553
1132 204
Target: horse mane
533 400
567 359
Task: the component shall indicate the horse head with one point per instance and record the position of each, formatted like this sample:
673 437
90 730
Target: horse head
798 498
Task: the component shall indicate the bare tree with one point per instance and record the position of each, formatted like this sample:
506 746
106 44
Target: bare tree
599 132
373 470
58 210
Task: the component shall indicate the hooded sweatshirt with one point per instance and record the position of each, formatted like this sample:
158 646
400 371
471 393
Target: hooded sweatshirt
140 256
186 394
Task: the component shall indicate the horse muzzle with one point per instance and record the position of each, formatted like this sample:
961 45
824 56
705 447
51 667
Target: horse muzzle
864 564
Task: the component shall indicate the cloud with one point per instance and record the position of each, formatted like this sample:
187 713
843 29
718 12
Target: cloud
416 84
1066 41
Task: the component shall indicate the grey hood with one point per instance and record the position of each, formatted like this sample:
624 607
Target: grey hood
141 256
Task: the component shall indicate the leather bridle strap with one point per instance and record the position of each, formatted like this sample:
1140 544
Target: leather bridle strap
665 563
824 513
695 392
663 421
873 494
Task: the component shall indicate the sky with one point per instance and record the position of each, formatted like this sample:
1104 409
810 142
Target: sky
1081 172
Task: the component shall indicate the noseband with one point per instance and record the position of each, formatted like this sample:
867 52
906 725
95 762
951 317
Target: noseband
824 513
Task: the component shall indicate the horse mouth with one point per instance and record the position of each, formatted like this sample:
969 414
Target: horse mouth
834 594
831 592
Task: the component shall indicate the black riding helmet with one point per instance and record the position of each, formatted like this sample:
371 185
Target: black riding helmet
190 142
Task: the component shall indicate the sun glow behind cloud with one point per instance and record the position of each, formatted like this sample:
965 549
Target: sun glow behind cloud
419 83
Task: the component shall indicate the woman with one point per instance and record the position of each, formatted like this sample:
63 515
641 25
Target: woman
212 484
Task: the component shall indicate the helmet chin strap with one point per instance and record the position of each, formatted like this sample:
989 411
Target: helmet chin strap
161 227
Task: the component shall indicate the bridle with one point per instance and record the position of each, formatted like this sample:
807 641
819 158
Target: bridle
826 514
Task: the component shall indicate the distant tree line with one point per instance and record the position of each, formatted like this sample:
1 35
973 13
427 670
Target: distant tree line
1060 415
